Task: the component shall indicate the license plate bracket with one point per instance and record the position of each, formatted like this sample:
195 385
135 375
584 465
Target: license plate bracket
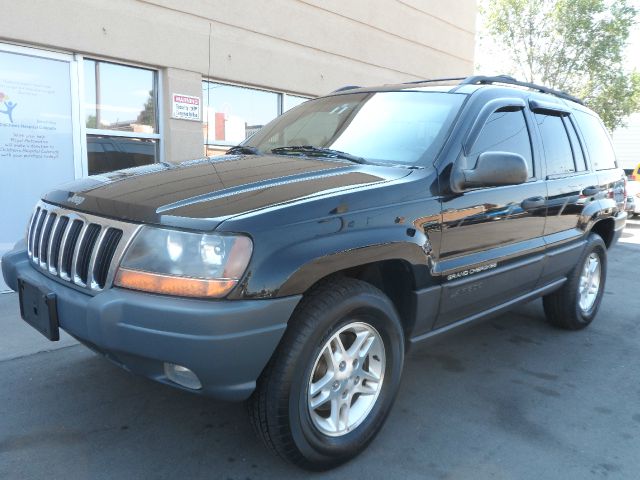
38 308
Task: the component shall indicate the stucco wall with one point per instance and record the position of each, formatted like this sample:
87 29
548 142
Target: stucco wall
303 46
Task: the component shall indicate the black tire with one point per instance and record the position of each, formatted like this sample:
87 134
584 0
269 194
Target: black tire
562 307
278 408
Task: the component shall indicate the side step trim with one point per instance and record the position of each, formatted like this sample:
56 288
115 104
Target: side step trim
492 312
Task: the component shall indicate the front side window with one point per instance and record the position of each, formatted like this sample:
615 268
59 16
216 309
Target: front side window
384 127
120 116
557 149
505 131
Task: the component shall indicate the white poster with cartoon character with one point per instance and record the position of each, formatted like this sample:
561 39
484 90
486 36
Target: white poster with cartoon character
36 136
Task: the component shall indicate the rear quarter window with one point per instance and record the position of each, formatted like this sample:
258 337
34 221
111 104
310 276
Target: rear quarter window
597 141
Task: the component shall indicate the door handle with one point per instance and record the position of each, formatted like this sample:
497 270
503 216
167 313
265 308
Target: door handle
533 202
591 191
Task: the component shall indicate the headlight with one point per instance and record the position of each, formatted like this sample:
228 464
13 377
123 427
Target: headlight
182 263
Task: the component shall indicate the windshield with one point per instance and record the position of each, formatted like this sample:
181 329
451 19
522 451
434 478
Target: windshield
406 127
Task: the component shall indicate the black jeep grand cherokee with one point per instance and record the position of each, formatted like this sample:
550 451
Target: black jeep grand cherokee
298 269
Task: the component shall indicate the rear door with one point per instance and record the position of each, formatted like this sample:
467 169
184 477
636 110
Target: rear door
602 157
571 185
492 245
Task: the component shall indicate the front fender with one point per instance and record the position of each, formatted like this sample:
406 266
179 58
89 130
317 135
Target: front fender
295 267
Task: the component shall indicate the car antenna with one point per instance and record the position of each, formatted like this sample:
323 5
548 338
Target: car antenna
208 87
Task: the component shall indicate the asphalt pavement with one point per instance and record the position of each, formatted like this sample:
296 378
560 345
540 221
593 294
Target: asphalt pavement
512 398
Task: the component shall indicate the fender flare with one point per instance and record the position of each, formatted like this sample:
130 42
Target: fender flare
293 269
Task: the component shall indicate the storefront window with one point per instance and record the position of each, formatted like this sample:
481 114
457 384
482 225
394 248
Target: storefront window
120 116
233 114
291 101
108 153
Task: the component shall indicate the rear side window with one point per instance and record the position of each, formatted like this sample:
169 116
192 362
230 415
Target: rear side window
505 131
597 141
576 146
557 148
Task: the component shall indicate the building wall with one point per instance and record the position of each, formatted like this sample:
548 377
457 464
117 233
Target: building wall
308 47
626 142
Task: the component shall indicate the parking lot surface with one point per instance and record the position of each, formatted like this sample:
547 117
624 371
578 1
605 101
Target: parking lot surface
512 398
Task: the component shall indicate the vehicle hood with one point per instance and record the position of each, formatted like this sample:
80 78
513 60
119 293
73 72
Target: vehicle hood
202 193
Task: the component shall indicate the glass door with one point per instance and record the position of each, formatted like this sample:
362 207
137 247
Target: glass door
39 133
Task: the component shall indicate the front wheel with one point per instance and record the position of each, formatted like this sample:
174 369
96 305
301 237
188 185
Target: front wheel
575 305
332 381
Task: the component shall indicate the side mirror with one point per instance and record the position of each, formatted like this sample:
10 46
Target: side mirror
493 169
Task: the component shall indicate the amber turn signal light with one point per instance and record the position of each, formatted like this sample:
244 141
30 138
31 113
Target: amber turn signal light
170 285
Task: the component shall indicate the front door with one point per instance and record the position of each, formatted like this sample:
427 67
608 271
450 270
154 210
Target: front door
492 240
38 141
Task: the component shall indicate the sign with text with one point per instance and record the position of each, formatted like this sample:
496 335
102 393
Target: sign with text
36 137
185 107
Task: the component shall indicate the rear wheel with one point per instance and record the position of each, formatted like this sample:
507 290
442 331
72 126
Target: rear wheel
576 304
332 381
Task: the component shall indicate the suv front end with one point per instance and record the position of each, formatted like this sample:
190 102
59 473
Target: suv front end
160 317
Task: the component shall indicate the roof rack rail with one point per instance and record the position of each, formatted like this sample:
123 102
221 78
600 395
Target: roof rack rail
346 87
434 80
507 80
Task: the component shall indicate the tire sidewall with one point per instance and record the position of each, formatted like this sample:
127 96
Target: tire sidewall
378 312
595 245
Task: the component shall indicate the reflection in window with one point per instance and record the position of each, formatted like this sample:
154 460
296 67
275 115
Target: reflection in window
398 127
122 100
599 146
119 97
108 153
232 114
557 149
505 131
578 154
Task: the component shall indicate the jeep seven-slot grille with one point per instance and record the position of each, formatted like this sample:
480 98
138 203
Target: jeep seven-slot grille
75 247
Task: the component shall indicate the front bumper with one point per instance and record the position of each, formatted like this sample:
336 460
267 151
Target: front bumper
226 343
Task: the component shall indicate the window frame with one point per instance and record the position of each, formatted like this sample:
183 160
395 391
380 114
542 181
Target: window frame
281 94
85 131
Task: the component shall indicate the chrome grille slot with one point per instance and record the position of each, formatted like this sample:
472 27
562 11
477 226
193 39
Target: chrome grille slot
85 251
56 241
104 256
69 248
38 233
44 242
32 229
79 248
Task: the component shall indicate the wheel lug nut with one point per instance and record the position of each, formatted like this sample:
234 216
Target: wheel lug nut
356 380
342 365
344 394
336 385
355 363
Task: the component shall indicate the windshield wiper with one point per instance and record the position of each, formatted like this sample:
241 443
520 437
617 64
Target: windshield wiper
324 152
242 150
